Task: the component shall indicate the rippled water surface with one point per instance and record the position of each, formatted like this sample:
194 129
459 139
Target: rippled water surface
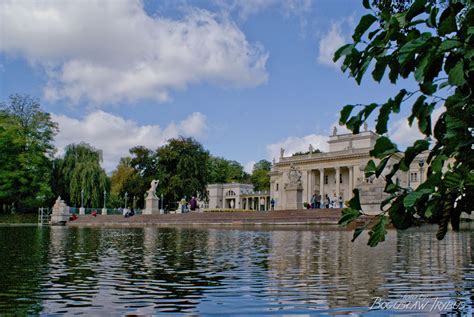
97 271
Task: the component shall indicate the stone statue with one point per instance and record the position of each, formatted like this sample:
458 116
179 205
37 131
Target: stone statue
311 149
350 146
334 131
366 126
153 186
294 175
273 161
282 152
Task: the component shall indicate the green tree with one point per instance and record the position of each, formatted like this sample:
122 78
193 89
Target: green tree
220 170
182 170
433 43
80 170
26 135
260 177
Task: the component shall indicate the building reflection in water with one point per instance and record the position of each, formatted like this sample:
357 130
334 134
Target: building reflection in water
61 270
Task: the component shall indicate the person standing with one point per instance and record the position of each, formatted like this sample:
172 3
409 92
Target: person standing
272 203
262 204
341 201
183 205
193 203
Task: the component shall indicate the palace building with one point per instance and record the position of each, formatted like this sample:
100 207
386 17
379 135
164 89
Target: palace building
295 179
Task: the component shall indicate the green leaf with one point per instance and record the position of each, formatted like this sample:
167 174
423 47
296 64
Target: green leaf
383 147
399 216
416 109
447 22
370 168
365 22
456 74
366 4
415 9
358 231
381 166
412 151
412 198
448 45
378 232
349 215
342 51
379 69
431 22
345 113
354 203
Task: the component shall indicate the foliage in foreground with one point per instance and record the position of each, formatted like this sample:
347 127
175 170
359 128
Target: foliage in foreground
434 44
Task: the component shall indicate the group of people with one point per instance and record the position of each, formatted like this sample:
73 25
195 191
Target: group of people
186 206
317 201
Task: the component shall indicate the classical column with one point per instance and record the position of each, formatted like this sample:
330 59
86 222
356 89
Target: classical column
321 183
309 186
338 176
351 181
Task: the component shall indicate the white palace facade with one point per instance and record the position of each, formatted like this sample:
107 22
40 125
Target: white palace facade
336 173
295 179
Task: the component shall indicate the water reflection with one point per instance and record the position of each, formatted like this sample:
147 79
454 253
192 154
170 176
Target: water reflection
223 271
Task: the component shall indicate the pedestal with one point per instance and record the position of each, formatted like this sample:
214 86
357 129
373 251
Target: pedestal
104 211
151 206
60 214
294 196
82 211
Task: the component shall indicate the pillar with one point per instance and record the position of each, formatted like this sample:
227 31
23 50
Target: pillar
321 182
338 176
309 186
351 181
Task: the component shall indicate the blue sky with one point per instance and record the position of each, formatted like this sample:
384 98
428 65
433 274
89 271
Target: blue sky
242 77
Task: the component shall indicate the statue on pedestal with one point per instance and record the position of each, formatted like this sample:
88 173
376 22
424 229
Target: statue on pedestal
294 175
153 185
151 201
334 131
282 152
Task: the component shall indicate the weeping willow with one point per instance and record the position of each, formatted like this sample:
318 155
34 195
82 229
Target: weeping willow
81 171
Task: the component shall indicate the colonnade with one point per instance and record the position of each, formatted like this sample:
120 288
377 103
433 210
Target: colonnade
311 184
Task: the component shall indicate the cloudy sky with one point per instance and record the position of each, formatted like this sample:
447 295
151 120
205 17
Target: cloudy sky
244 77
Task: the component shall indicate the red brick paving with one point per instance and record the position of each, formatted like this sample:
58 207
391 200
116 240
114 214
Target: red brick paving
281 217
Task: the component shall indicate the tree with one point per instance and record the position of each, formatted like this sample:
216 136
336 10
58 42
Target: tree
80 170
260 177
182 169
434 44
220 170
26 135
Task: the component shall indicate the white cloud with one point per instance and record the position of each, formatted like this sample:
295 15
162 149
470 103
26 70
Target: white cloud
115 135
328 45
297 144
112 51
404 135
247 8
248 167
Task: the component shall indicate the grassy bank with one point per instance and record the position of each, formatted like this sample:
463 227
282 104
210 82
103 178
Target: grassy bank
19 218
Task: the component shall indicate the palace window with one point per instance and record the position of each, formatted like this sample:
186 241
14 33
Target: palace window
326 179
230 193
413 177
276 186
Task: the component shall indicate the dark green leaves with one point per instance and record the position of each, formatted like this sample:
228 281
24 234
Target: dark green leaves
456 75
365 22
383 147
433 42
378 232
447 22
349 215
342 51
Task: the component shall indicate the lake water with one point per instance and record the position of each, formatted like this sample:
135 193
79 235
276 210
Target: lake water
282 271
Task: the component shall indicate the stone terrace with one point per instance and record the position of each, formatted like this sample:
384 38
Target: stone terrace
281 217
